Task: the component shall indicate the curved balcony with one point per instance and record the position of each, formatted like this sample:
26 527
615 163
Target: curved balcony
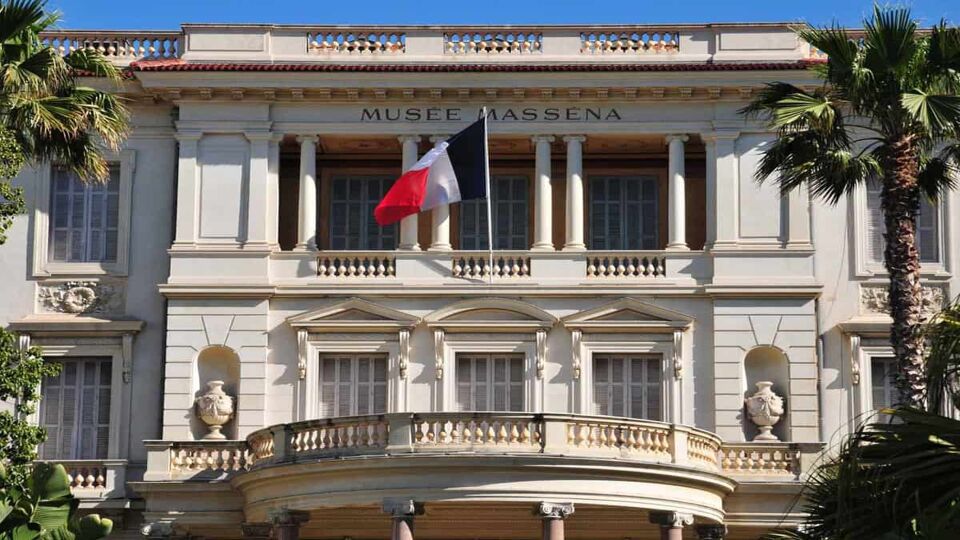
455 458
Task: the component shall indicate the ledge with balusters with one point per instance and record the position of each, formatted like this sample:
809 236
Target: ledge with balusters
570 43
481 434
96 479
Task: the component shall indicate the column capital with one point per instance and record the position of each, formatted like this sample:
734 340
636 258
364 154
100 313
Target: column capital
402 508
188 136
304 138
258 135
574 138
285 516
434 139
543 139
682 137
671 519
720 135
553 510
711 531
410 138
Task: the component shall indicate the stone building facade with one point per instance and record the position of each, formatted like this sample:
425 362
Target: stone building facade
366 380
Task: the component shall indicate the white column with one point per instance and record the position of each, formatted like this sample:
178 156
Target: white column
408 225
574 240
273 192
543 201
258 195
307 236
440 240
677 195
188 201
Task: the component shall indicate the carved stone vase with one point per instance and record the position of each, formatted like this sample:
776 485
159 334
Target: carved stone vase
215 408
765 409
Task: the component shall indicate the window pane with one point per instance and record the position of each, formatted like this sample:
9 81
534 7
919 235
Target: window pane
351 385
75 409
489 382
623 212
84 218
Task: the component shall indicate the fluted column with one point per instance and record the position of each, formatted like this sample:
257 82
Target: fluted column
403 512
677 193
410 145
671 524
553 515
307 236
575 214
440 215
543 198
286 523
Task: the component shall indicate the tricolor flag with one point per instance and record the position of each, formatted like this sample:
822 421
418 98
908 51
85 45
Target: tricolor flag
454 170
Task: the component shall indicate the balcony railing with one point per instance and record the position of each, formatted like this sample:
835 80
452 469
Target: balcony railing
96 478
480 433
571 43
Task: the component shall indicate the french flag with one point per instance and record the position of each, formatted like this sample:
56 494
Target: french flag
454 170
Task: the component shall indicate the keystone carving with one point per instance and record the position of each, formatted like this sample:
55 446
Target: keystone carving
80 297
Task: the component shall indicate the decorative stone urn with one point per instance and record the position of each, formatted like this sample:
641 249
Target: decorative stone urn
215 408
765 409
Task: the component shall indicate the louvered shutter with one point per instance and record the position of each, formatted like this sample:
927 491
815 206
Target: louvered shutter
874 225
489 382
75 410
928 240
352 384
352 222
628 386
84 218
623 213
510 210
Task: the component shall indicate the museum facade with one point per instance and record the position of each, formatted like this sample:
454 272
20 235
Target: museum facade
659 347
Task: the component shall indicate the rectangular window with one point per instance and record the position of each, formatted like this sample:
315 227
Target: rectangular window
352 384
84 217
623 213
928 234
510 214
882 372
490 382
75 410
352 224
628 385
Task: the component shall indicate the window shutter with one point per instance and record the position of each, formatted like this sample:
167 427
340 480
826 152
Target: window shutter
928 238
628 386
85 218
874 225
352 385
75 410
487 382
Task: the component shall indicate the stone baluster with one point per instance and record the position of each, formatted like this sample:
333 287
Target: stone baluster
575 213
408 225
307 237
671 524
286 523
677 194
440 240
553 515
543 198
403 512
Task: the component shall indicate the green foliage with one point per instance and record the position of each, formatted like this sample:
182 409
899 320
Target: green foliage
44 509
21 372
49 114
896 478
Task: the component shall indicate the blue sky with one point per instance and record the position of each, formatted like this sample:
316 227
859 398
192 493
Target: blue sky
168 14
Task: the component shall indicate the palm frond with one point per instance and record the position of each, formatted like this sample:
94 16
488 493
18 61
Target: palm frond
938 175
19 15
836 43
944 48
943 359
936 113
92 62
890 40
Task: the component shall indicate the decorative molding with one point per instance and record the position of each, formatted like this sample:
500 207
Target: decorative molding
541 358
576 338
855 359
438 351
677 354
404 360
671 519
302 336
126 352
875 299
284 517
551 510
256 530
80 297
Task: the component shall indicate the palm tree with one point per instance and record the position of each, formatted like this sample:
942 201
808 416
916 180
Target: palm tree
42 107
888 110
899 478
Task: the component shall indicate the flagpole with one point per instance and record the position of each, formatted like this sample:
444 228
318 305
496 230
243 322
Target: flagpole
486 159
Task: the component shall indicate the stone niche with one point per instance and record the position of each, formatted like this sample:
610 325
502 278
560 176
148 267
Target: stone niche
215 363
766 363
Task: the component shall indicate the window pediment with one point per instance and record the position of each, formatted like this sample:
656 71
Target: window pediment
354 315
628 315
490 315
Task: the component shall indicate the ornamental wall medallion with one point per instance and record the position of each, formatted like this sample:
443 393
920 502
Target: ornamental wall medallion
80 297
876 299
